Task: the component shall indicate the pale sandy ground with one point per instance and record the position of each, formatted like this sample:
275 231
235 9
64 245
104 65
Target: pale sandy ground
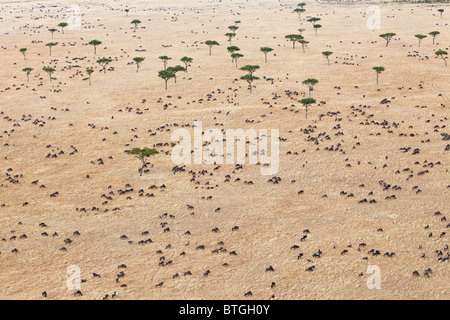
271 217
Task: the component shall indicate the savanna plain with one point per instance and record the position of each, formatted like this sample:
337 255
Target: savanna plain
362 189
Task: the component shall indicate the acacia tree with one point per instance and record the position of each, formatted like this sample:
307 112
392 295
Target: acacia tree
327 55
230 36
249 78
127 10
232 50
24 51
299 11
420 37
317 27
52 31
306 102
210 44
442 54
441 11
294 38
49 72
51 45
27 71
89 72
303 43
104 62
187 61
378 71
235 57
388 37
250 68
138 61
266 50
176 69
62 25
434 34
301 4
233 28
95 43
165 59
166 75
142 155
311 82
301 31
136 22
313 20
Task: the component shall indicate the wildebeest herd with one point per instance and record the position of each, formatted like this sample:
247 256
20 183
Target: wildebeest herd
362 182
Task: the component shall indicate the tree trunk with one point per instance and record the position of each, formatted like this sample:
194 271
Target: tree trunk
306 111
266 57
142 168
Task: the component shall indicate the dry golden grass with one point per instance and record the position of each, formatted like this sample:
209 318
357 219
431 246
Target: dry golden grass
271 217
